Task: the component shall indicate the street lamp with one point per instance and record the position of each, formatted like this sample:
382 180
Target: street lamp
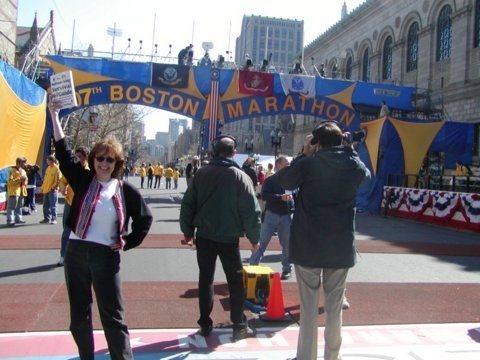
276 136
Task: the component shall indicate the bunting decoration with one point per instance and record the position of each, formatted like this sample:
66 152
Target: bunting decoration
457 210
392 197
444 204
417 201
471 208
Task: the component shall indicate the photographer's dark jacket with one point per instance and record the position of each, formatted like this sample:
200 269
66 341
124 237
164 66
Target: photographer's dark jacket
323 225
220 204
80 178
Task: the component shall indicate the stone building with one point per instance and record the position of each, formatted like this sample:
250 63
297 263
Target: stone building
33 42
8 25
270 44
432 45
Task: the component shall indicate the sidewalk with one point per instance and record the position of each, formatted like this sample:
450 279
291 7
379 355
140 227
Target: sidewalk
413 294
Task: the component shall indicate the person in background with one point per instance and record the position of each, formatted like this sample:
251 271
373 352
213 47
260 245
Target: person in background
191 169
149 176
50 184
17 182
249 168
423 177
175 177
384 110
157 172
278 206
189 173
32 175
143 173
126 172
183 54
260 175
322 246
103 209
261 180
460 169
218 208
81 154
168 177
269 171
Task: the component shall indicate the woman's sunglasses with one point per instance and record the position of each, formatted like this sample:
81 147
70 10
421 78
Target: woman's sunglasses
109 159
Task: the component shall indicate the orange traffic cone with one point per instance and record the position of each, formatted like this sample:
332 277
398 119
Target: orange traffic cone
275 307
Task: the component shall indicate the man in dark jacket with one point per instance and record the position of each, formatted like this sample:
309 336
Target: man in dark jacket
278 204
322 247
221 206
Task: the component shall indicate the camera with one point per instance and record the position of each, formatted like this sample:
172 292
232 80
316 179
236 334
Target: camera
348 137
356 136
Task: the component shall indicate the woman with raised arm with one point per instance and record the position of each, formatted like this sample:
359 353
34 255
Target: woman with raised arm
99 216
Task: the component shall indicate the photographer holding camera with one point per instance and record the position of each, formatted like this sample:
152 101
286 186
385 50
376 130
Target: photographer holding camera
328 174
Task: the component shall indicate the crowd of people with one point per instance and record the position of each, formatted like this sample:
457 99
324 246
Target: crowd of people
299 201
154 174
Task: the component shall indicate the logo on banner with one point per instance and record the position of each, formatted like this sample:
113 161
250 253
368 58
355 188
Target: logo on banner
166 75
255 83
298 84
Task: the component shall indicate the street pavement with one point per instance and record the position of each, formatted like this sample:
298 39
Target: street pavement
408 265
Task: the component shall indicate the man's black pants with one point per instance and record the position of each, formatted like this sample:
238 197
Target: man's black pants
229 253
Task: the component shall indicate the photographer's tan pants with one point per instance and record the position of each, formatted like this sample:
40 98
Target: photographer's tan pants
309 281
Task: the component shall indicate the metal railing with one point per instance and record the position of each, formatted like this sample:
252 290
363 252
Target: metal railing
467 184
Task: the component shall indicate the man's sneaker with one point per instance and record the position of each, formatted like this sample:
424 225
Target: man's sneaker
20 221
345 304
60 261
10 224
285 275
45 221
206 330
53 222
243 332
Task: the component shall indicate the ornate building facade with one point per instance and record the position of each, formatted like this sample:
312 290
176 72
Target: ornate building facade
432 45
8 25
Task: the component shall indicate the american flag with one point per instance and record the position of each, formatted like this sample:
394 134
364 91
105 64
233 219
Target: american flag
213 121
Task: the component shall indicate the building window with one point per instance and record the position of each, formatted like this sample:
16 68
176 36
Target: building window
444 33
387 59
412 47
365 66
476 37
348 68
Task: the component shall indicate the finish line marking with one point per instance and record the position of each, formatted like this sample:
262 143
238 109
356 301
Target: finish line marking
387 342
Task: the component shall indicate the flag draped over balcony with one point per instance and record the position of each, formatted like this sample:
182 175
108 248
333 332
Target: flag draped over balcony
214 97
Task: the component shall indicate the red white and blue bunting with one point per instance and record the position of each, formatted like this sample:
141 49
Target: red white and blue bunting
393 197
471 207
444 204
417 200
450 208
